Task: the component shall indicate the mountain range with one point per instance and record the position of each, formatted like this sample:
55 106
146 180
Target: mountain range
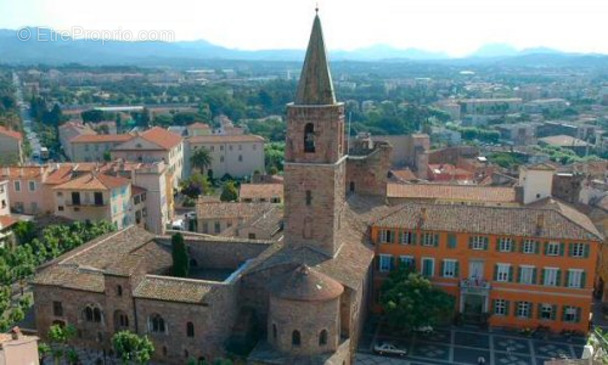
46 47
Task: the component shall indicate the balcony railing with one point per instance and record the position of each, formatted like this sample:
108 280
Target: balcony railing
473 285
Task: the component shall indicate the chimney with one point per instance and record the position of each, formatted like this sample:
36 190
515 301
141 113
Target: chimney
423 216
16 333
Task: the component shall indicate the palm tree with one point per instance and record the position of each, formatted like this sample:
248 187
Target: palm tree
201 159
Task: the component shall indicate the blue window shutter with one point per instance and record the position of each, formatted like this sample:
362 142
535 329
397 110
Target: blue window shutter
586 251
457 269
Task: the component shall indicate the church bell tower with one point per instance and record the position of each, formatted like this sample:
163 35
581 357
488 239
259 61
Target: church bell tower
315 163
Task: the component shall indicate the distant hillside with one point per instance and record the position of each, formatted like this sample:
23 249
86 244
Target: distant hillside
48 49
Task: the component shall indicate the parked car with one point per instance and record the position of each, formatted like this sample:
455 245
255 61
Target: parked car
178 225
387 348
425 330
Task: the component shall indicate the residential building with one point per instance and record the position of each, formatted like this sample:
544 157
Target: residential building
494 195
95 196
18 349
25 188
70 130
95 147
261 193
155 144
518 134
266 226
237 156
7 237
216 217
579 146
199 129
545 105
11 147
519 266
490 106
5 205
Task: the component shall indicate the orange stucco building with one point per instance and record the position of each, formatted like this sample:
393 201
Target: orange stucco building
524 266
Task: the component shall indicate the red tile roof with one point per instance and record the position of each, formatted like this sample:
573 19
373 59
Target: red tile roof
101 138
6 221
451 192
199 125
224 139
26 172
10 133
94 181
162 137
257 191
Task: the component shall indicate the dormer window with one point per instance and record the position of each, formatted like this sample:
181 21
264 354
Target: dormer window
309 138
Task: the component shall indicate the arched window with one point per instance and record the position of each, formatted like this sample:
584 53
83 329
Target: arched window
309 138
97 315
352 187
156 324
186 354
121 320
295 338
119 290
274 331
164 350
88 314
190 329
323 338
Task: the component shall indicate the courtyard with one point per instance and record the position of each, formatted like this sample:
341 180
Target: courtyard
465 345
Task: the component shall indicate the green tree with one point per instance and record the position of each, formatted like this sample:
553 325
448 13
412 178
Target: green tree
61 336
410 300
25 231
181 264
229 193
107 156
132 348
201 159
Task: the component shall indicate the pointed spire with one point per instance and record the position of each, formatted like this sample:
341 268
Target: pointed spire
315 87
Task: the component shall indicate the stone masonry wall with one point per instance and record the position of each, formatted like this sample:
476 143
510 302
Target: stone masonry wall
368 175
212 325
287 316
317 224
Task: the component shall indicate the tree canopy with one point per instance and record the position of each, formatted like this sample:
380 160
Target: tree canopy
181 265
410 300
201 159
229 192
132 348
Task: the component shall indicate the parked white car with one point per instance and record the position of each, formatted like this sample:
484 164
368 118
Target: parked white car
178 225
426 330
387 348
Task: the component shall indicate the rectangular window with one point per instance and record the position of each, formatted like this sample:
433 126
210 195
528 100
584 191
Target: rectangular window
429 239
32 185
505 244
546 311
500 307
408 262
523 309
502 272
551 276
527 274
478 242
450 268
75 198
205 227
17 185
386 263
98 197
308 197
529 246
386 236
57 309
217 227
552 249
428 267
575 278
240 158
452 240
571 314
578 249
406 238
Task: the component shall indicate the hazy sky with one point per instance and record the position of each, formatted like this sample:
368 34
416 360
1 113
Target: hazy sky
453 26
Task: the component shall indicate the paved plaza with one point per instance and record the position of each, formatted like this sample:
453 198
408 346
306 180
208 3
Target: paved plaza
464 345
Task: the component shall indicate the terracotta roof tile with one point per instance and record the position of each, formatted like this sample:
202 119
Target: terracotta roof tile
562 223
257 191
306 284
162 137
7 221
101 138
10 133
94 181
173 289
215 138
26 172
451 192
214 210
